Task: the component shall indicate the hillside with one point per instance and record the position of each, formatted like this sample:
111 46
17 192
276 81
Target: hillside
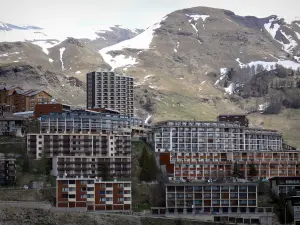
180 63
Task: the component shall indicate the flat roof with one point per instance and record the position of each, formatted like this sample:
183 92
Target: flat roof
285 178
96 180
212 184
12 118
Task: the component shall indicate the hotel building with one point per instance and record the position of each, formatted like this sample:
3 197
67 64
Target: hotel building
93 194
110 90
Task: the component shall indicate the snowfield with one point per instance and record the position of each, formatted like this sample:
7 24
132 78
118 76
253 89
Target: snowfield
61 52
272 27
270 65
141 41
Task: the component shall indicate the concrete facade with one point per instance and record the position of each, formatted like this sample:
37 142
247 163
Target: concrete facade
110 90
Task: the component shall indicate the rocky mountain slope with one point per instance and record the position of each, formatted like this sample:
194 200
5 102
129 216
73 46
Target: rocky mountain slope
181 63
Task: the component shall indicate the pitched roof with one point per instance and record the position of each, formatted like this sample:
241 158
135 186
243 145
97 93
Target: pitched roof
9 87
30 92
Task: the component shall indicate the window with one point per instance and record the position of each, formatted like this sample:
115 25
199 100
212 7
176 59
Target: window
120 192
120 199
64 190
83 196
71 181
102 199
65 196
90 196
71 196
83 189
90 189
83 182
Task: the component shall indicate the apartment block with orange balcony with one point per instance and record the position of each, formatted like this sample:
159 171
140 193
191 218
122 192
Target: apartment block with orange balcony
93 194
195 166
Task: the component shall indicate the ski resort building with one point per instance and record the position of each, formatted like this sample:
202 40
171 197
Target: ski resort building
110 90
93 194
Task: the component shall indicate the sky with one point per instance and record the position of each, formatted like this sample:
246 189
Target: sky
128 13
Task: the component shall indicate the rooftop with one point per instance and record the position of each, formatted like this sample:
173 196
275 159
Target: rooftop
212 183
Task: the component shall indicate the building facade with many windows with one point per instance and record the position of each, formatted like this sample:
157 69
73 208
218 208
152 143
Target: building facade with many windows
7 169
196 166
110 90
86 121
211 197
193 136
93 194
83 154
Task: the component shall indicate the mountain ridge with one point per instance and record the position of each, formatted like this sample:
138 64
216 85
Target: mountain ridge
181 63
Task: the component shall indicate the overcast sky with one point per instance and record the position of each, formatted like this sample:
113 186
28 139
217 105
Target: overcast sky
129 13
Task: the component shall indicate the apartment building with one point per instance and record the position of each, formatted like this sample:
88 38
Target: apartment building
285 186
197 136
7 169
25 100
87 121
93 194
110 90
83 166
200 197
83 154
11 126
196 166
92 145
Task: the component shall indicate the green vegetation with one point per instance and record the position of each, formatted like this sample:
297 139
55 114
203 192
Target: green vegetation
236 172
252 170
148 166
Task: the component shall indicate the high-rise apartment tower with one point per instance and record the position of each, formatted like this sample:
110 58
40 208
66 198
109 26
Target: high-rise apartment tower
110 90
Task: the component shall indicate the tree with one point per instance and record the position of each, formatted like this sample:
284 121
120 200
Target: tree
143 156
236 172
148 166
105 171
252 170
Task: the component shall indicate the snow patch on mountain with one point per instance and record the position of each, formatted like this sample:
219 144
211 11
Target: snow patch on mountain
288 47
61 52
45 45
147 119
223 73
230 89
272 27
197 17
270 65
119 61
141 41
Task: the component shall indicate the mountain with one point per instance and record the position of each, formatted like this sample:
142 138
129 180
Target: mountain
191 64
72 51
